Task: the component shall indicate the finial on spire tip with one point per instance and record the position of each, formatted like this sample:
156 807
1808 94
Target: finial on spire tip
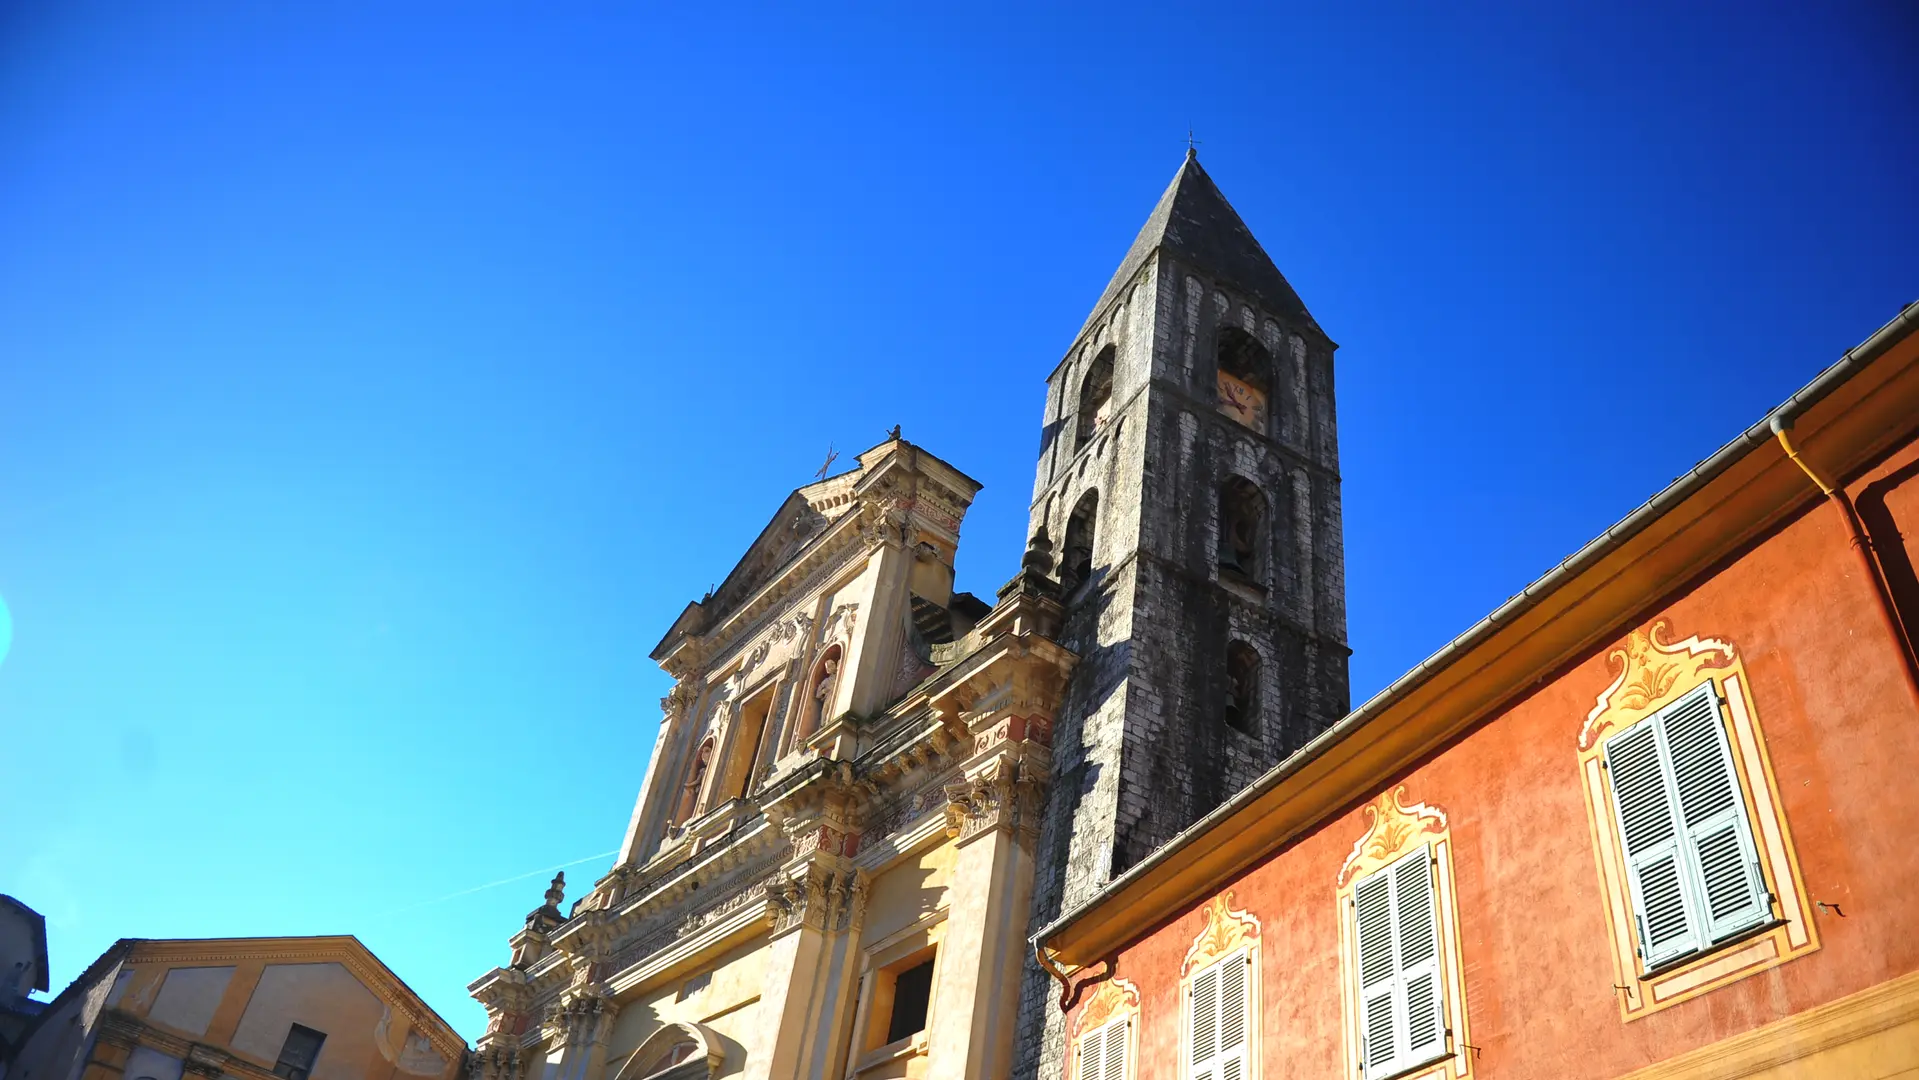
1192 146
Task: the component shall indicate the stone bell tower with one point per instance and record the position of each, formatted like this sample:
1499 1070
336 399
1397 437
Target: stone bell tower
1189 476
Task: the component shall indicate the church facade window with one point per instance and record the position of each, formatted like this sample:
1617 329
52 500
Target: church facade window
899 992
1242 529
749 737
1095 395
1244 378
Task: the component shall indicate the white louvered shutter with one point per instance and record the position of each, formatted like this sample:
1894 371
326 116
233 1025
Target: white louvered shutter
1378 974
1416 916
1402 1008
1730 888
1221 1020
1113 1062
1234 983
1092 1054
1202 1043
1693 871
1655 869
1102 1054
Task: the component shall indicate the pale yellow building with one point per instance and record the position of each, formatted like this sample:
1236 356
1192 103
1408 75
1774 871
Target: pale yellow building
288 1008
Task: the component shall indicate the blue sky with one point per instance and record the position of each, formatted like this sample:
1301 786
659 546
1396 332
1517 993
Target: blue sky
377 382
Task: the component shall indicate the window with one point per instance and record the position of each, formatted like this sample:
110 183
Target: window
1245 377
1102 1053
1094 392
301 1050
1242 529
912 992
1077 564
743 760
1216 1037
1692 871
1242 688
1401 1006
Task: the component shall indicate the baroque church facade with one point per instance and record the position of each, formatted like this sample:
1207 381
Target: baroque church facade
869 790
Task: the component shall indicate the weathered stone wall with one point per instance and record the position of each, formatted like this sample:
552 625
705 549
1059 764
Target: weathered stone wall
1141 746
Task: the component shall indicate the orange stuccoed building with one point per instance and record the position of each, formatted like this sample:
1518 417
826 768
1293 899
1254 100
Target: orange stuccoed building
1653 817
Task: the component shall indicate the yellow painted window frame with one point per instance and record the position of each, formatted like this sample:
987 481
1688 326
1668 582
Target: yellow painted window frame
1116 1001
1650 673
1395 828
1227 930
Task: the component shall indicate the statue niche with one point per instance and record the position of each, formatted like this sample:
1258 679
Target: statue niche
819 696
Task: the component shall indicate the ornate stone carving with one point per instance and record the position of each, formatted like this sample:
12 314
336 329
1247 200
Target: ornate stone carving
1393 829
819 895
496 1062
795 627
840 622
1650 674
1006 794
1226 929
674 705
580 1018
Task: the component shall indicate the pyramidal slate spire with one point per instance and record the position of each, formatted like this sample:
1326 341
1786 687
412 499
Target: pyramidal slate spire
1194 224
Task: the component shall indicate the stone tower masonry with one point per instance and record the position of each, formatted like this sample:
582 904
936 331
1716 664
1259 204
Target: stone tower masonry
1189 480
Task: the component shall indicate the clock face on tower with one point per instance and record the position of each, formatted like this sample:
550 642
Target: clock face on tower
1242 401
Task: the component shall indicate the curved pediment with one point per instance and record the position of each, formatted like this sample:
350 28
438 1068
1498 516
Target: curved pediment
677 1051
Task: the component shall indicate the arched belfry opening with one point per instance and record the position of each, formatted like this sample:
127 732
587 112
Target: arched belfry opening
1095 395
1242 529
1076 564
1242 688
1245 377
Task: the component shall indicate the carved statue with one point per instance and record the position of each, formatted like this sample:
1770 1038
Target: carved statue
823 692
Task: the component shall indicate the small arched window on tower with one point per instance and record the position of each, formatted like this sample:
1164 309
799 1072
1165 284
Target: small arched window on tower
1242 688
1242 529
695 780
1076 561
819 695
1095 394
1245 377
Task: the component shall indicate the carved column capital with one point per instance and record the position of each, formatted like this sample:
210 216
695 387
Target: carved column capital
1005 792
580 1018
824 894
496 1060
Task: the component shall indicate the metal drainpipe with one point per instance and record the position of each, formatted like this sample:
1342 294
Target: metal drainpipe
1868 558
